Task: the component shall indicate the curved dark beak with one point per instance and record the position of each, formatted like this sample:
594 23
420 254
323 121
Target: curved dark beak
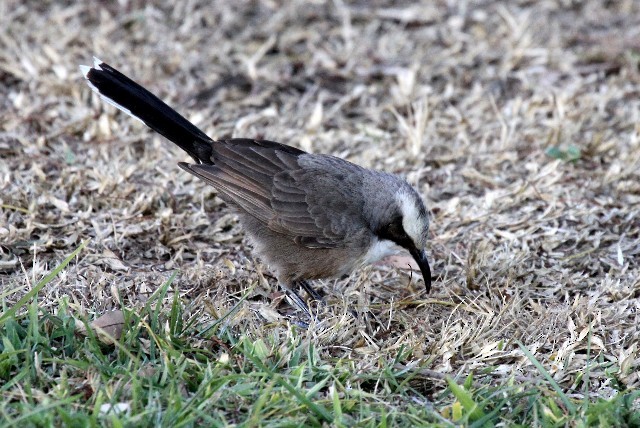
420 256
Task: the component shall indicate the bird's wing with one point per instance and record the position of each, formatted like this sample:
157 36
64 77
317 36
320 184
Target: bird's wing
266 180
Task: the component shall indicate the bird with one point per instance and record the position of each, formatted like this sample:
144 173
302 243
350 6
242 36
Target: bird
308 216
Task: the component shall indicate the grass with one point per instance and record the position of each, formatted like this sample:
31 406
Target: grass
516 121
167 370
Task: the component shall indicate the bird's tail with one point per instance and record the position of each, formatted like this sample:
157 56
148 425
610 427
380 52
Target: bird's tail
122 92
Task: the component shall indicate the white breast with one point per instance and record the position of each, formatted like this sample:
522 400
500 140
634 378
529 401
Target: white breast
379 250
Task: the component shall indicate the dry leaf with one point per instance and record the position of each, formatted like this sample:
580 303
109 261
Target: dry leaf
108 327
111 260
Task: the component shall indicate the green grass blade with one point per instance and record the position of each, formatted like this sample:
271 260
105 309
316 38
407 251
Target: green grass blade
568 404
586 371
302 398
337 407
44 281
465 398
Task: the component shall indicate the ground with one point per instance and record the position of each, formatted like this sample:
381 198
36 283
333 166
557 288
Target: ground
518 123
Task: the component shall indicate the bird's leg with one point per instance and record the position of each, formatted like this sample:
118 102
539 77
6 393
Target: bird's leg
300 303
310 291
297 300
318 297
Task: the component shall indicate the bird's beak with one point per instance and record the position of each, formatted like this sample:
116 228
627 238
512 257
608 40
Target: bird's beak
420 256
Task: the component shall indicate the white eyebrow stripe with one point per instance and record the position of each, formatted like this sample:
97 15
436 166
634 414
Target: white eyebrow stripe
412 221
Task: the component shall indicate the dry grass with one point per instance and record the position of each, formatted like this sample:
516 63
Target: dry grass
474 104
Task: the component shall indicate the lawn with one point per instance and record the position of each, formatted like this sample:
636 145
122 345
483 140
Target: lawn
129 295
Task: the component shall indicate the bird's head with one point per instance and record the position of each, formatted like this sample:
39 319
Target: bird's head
406 223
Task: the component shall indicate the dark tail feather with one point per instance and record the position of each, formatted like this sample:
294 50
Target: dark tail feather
125 94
